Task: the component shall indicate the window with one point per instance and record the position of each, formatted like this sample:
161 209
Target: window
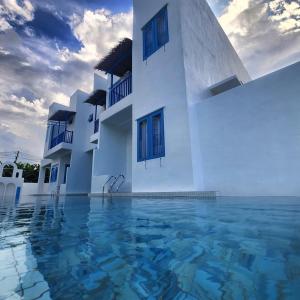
91 118
54 171
156 33
143 136
67 166
151 141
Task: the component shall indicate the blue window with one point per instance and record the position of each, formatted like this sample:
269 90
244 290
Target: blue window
91 118
151 139
156 33
54 171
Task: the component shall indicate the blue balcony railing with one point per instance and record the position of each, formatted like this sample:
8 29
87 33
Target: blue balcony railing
120 89
63 137
96 126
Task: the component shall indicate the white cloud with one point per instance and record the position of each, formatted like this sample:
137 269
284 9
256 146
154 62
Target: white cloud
34 67
99 31
19 12
33 110
265 33
61 98
23 124
286 15
229 19
4 25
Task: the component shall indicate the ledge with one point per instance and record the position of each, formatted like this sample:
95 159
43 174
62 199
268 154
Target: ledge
204 194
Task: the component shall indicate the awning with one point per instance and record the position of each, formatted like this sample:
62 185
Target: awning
225 85
119 60
97 98
61 115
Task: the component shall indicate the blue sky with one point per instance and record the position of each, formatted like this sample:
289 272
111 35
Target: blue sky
48 49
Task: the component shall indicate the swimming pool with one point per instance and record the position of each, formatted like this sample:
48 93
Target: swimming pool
86 248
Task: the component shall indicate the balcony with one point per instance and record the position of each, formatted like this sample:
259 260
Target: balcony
118 64
64 137
121 89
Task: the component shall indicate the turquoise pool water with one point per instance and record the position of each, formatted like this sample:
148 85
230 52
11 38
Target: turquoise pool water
86 248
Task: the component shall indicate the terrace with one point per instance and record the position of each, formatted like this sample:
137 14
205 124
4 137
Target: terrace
118 64
60 136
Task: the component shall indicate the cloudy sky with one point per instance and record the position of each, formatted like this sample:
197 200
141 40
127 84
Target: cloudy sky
48 49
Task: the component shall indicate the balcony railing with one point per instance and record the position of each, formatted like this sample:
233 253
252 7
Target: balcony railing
64 137
120 89
96 126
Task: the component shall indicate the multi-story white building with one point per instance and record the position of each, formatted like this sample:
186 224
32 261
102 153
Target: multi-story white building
178 112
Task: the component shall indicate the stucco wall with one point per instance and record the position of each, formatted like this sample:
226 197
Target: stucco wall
110 159
250 137
159 82
32 189
79 175
208 55
208 59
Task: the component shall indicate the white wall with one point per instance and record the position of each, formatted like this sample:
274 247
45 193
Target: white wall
159 82
208 55
110 159
250 137
208 59
33 189
80 171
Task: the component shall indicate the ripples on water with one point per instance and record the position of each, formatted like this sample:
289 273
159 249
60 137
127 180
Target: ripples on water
86 248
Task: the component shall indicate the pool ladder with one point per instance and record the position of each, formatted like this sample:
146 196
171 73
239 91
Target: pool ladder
114 184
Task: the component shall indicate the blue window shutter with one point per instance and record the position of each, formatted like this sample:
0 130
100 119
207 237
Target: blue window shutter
155 33
158 143
162 27
149 39
162 135
150 136
156 135
142 140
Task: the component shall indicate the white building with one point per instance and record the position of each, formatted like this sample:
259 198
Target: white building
178 112
10 187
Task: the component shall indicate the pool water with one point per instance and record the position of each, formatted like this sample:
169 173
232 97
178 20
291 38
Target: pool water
87 248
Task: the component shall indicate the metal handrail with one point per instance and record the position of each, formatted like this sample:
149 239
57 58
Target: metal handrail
63 137
120 89
115 182
121 183
107 181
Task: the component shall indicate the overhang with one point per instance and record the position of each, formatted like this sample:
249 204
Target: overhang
61 115
97 98
225 85
119 59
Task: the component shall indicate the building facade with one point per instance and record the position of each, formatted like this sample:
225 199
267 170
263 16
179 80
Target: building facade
177 112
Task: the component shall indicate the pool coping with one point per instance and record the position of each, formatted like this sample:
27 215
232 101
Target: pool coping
198 194
204 194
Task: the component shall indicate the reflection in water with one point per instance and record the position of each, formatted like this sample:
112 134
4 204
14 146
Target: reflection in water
87 248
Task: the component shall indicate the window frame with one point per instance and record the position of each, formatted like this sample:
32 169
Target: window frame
67 167
154 32
150 136
54 173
